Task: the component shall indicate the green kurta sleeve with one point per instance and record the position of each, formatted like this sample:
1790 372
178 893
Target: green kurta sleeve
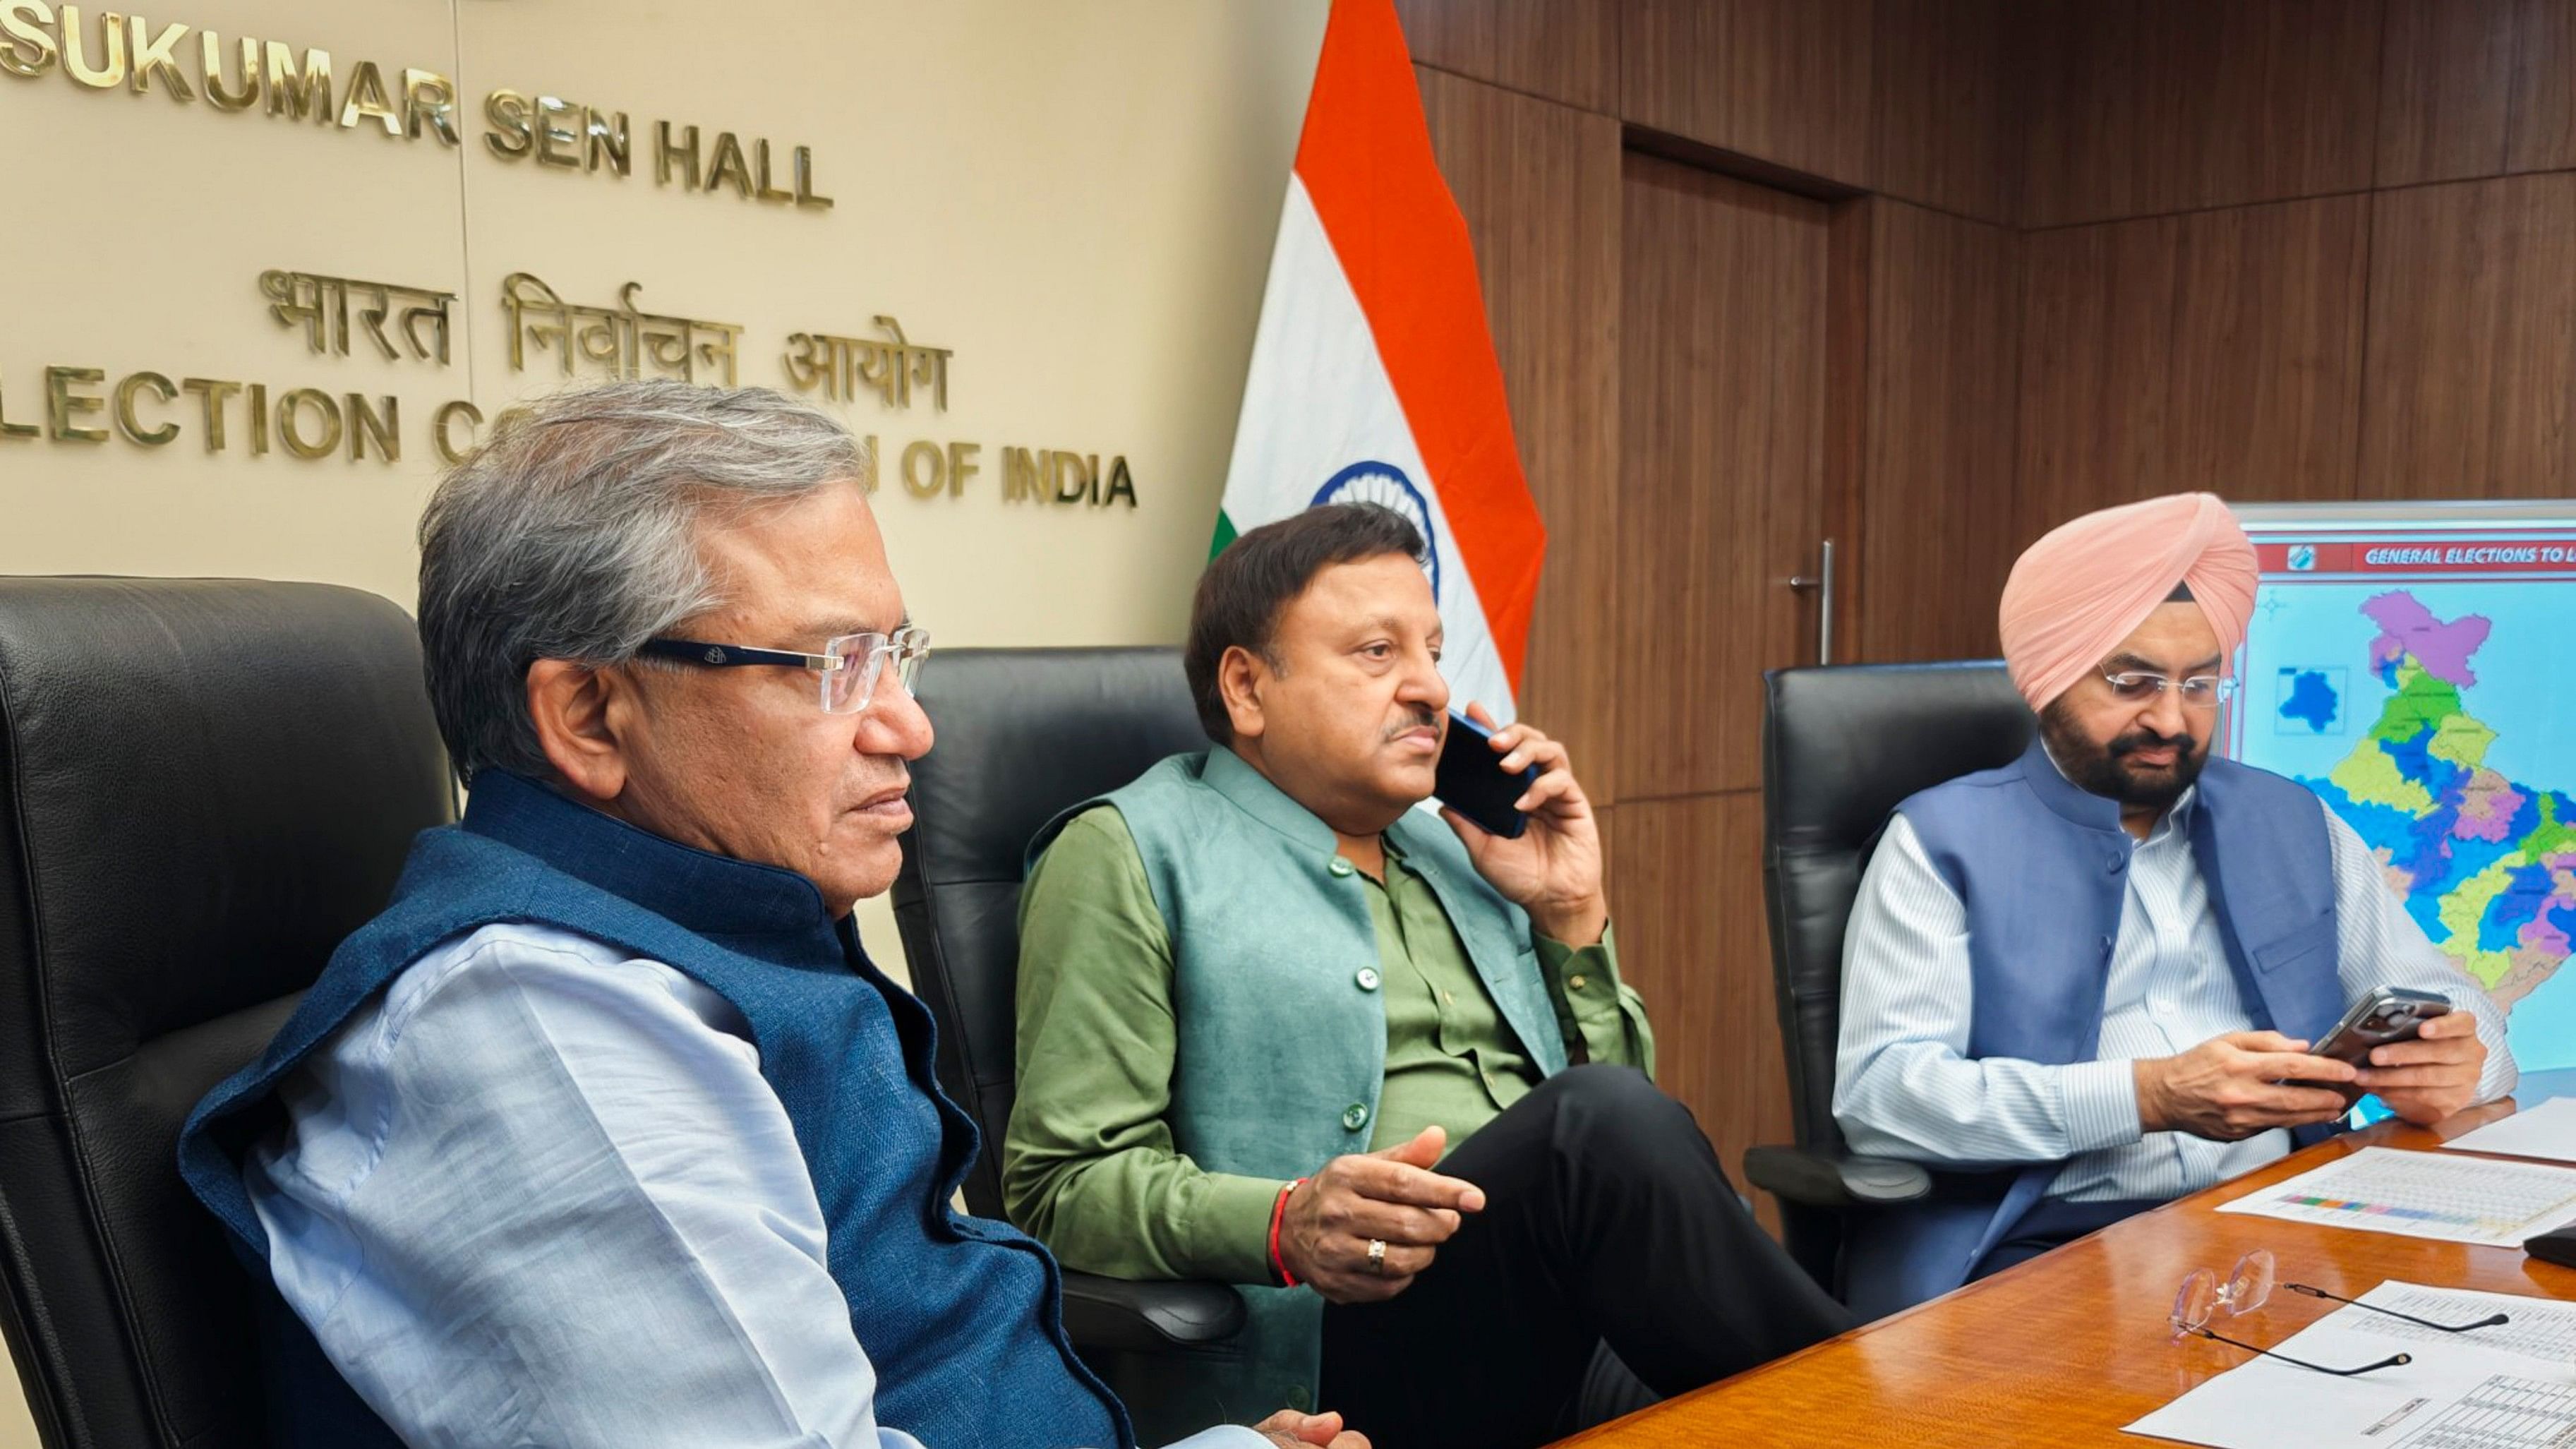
1088 1165
1593 1005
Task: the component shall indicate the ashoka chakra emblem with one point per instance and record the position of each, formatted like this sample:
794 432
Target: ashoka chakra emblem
1384 484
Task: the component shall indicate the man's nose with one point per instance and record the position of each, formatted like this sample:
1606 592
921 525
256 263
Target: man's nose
894 724
1422 683
2165 713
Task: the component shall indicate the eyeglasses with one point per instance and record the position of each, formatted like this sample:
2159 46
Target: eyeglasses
848 665
2203 1297
2199 692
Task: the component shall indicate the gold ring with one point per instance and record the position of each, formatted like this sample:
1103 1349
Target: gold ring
1377 1256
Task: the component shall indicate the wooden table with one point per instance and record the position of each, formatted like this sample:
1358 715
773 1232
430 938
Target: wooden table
2068 1347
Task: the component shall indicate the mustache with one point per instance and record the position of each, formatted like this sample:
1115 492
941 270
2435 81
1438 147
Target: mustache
1416 718
2136 740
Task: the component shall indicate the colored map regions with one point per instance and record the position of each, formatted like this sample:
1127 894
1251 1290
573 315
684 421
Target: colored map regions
2486 864
2407 628
2311 697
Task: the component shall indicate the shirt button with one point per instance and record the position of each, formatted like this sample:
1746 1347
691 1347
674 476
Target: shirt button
1367 978
1355 1116
1575 983
1448 1000
1339 866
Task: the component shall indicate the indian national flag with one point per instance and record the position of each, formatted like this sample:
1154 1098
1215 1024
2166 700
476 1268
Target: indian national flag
1373 377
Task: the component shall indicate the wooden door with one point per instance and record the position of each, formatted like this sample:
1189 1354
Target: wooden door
1722 430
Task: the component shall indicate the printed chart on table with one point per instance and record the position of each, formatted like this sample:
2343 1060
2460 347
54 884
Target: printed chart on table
2451 1196
2507 1385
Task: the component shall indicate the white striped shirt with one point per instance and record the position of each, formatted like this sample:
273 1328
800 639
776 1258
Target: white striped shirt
1905 1087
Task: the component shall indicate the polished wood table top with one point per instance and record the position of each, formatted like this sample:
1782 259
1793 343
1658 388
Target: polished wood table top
2068 1347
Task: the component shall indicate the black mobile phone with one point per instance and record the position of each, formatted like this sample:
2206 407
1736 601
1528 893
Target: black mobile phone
1472 782
2387 1014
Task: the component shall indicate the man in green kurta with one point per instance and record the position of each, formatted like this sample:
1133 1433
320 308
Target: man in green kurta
1262 998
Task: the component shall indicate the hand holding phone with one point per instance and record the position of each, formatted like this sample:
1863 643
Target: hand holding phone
2386 1014
1553 871
1470 779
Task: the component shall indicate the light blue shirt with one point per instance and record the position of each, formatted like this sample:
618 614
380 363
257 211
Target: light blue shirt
539 1194
1905 1087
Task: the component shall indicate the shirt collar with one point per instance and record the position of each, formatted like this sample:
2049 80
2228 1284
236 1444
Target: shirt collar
711 895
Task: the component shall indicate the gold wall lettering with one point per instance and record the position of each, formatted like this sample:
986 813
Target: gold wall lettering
147 410
107 51
890 365
1056 475
310 422
298 85
320 305
620 338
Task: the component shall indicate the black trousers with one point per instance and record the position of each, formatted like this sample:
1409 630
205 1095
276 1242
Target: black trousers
1607 1219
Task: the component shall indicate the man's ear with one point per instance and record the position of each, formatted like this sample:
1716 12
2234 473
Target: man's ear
1240 675
574 709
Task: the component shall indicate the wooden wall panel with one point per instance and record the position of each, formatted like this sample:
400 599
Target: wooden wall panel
2084 135
2472 349
1693 943
1787 81
1942 379
2267 343
1941 117
2445 89
2142 107
1539 185
2288 104
2476 88
2543 132
1563 50
2096 368
1721 437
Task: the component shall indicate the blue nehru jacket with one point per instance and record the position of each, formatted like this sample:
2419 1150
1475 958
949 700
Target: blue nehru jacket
2041 866
959 1315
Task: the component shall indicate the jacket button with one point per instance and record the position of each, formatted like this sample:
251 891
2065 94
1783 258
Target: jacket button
1296 1397
2112 863
1355 1116
1339 866
1367 978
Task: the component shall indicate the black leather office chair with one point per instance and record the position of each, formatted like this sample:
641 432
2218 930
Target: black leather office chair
204 785
1841 746
1022 734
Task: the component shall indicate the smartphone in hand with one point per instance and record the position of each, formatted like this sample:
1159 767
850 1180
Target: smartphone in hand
2387 1014
1472 781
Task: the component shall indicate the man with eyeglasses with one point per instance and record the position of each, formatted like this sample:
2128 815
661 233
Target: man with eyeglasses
606 1132
2087 983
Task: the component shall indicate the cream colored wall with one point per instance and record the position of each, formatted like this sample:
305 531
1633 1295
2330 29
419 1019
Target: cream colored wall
1078 199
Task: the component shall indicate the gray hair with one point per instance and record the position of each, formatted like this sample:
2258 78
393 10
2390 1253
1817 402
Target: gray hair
572 534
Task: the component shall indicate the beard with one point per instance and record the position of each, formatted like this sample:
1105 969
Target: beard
2104 769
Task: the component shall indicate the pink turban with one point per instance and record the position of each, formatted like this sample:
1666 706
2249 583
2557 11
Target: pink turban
2088 584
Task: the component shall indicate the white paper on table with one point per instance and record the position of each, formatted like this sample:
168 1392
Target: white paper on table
2453 1197
2507 1386
2547 1130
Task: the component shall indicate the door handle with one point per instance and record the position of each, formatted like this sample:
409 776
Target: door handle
1822 581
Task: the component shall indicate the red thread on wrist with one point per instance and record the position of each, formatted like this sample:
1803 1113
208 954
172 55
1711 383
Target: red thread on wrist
1279 1214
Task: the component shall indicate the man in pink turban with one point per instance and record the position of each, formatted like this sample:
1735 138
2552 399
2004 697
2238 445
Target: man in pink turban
2088 982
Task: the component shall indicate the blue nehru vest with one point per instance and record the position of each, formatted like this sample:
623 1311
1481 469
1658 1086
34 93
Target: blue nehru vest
2041 865
959 1315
